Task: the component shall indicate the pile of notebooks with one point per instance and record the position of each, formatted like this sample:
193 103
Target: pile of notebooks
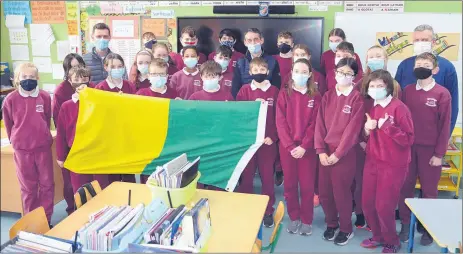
177 173
33 243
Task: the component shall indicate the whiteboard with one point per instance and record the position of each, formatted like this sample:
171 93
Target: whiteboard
361 28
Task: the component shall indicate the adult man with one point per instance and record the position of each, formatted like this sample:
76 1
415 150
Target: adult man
101 35
447 76
254 40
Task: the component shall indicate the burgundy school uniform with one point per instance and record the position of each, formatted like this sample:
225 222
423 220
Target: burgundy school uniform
178 59
221 95
285 65
431 114
142 84
234 58
27 122
387 160
226 81
327 62
66 130
295 119
264 158
186 83
339 121
171 71
319 81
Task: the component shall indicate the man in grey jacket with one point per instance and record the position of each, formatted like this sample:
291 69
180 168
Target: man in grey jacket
101 35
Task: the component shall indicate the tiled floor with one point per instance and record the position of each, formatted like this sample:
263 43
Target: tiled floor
287 243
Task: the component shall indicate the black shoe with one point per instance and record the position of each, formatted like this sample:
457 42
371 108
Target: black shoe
268 220
343 238
419 227
397 214
330 233
50 226
279 178
360 222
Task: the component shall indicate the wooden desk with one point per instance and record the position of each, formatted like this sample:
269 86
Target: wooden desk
236 218
5 91
440 217
10 192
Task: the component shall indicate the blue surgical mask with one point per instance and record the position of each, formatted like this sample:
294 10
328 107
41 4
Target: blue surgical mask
101 44
300 80
377 93
375 64
166 59
143 69
223 63
229 44
117 73
158 82
211 84
333 46
190 62
254 48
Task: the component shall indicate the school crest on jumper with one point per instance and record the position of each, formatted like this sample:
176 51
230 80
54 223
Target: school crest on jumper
431 102
270 101
228 82
38 108
234 64
316 84
197 82
347 109
391 119
310 104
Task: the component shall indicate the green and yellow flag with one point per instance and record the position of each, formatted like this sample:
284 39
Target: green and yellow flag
130 134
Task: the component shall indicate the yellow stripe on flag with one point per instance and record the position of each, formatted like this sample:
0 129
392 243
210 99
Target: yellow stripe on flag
122 138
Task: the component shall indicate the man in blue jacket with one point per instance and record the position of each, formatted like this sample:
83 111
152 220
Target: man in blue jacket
447 75
254 40
101 35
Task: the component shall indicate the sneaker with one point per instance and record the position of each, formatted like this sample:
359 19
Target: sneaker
279 178
426 239
50 226
343 238
389 248
419 227
368 228
330 233
316 201
404 233
370 243
360 222
268 220
305 229
293 227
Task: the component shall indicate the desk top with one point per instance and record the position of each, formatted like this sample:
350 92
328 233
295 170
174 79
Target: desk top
236 218
9 148
441 218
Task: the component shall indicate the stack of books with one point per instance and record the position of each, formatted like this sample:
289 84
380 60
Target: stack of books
34 243
177 173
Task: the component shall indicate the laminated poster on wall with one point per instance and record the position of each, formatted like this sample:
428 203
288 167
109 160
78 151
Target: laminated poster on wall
18 36
62 49
48 12
19 52
71 10
58 71
43 64
40 48
18 8
14 21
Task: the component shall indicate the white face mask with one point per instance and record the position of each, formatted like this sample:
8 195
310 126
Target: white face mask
420 47
336 60
343 80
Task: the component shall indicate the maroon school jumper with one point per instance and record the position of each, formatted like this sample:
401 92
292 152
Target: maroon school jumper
234 58
127 87
387 160
171 71
178 59
186 83
264 158
141 84
295 119
319 80
339 121
66 130
431 117
285 65
327 62
221 95
27 122
226 81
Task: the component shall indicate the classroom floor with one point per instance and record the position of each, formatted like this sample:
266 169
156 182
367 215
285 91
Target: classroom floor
287 242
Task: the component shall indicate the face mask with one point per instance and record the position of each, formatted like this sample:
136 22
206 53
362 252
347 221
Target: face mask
211 84
229 44
223 63
422 73
143 69
297 58
166 59
300 80
101 44
117 73
284 48
190 62
254 48
190 43
333 46
375 64
28 84
259 78
149 44
420 47
76 85
336 60
377 93
344 81
157 82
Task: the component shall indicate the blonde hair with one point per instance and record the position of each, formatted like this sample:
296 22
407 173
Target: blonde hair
19 69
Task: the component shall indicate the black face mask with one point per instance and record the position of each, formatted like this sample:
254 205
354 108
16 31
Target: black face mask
75 85
28 84
149 44
422 73
284 48
259 78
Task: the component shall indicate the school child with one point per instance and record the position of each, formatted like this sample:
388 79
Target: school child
228 38
296 112
149 40
223 57
430 105
188 80
114 65
327 64
66 128
27 116
260 89
302 51
187 38
160 50
285 43
139 71
211 75
338 124
389 131
344 50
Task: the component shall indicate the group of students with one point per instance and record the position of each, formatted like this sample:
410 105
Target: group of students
342 136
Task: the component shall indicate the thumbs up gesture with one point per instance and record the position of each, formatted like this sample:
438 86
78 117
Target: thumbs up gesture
382 120
370 123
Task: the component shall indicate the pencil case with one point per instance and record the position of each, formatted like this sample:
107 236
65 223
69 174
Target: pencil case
175 197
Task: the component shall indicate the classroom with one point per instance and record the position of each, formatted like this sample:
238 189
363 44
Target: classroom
231 126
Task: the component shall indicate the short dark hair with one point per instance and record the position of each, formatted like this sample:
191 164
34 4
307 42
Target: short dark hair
80 71
428 56
101 26
67 63
188 30
254 30
111 56
224 51
350 62
258 61
346 46
211 66
285 35
383 75
228 32
337 32
189 47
